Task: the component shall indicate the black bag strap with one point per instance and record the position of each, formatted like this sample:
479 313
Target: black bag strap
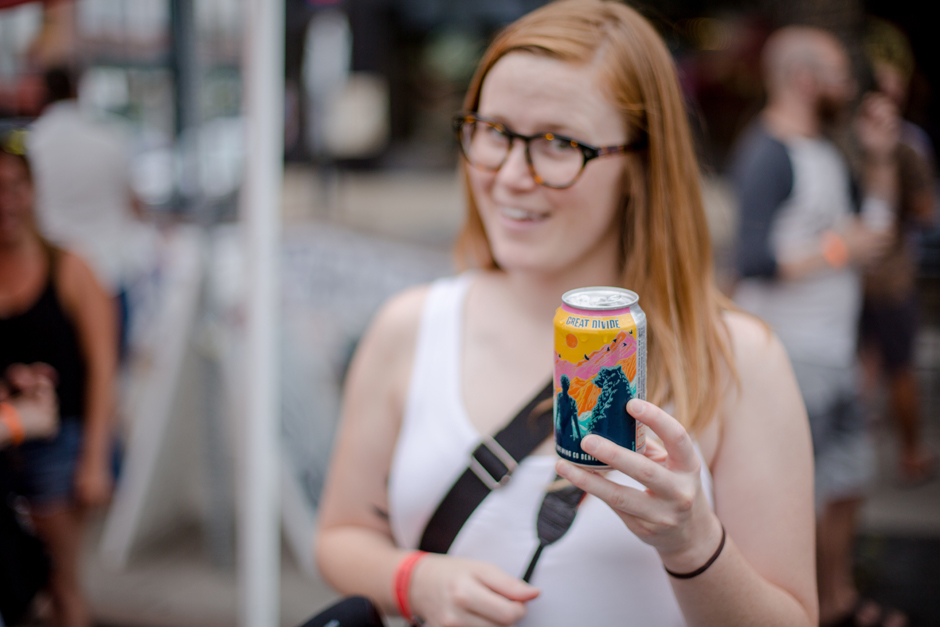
491 465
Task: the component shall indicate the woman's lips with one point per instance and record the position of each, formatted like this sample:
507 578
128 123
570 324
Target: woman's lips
522 215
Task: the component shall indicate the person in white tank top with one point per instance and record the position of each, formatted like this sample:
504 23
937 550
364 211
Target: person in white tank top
580 171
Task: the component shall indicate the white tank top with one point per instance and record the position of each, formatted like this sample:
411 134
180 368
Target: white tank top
599 573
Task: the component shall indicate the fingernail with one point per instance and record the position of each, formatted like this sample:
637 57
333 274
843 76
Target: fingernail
635 407
589 444
563 468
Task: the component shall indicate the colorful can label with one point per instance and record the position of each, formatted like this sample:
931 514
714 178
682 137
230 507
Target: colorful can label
600 364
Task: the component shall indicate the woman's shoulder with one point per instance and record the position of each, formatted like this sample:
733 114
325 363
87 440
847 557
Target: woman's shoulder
74 278
761 361
393 331
383 357
753 343
400 315
399 318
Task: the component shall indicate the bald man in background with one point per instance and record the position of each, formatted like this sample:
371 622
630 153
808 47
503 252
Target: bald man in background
803 239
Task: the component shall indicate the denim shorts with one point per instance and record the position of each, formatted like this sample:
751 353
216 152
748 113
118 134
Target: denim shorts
44 470
843 447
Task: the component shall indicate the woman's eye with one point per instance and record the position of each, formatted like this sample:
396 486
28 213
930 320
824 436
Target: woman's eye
559 144
495 132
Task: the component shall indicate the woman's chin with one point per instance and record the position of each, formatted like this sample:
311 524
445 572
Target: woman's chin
527 261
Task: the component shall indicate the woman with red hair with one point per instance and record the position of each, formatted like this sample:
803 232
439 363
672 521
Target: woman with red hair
579 170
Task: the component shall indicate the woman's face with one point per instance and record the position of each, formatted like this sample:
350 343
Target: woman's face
16 199
535 228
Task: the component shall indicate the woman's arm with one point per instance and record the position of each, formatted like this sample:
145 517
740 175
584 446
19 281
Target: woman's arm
763 478
93 313
355 549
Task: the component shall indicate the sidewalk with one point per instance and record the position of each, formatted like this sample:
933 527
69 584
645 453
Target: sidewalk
174 583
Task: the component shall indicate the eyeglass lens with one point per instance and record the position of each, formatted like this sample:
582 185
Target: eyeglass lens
557 162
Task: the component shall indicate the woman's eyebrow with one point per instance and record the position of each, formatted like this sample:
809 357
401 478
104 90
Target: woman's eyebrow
555 128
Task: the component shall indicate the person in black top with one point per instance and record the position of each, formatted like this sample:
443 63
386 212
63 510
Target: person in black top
52 310
28 411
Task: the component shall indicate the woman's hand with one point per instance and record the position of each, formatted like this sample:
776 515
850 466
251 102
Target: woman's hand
455 592
672 515
93 481
31 389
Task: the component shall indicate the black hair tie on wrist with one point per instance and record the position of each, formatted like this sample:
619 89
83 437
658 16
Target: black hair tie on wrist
711 560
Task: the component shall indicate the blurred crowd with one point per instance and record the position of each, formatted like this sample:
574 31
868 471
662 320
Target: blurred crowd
829 198
831 188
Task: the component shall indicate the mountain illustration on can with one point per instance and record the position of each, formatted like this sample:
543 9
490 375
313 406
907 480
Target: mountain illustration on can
600 364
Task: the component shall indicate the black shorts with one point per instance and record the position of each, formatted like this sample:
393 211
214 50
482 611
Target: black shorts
889 329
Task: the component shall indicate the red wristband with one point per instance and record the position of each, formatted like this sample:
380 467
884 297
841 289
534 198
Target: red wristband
403 582
11 418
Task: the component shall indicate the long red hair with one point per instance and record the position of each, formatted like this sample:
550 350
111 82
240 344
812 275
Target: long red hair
666 252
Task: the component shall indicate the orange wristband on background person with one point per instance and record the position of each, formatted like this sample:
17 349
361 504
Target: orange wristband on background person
834 250
402 583
11 418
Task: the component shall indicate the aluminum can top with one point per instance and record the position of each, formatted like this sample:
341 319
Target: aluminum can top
600 298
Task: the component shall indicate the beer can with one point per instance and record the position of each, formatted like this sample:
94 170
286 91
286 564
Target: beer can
600 364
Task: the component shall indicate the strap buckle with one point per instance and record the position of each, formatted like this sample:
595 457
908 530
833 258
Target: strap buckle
499 453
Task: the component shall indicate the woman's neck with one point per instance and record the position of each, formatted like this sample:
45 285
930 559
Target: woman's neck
539 293
16 250
22 267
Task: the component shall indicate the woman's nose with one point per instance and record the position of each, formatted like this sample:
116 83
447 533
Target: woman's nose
515 170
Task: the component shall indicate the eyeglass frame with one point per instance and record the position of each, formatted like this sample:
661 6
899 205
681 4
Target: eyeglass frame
588 152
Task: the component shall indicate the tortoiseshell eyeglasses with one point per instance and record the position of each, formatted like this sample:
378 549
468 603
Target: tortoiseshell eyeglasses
554 161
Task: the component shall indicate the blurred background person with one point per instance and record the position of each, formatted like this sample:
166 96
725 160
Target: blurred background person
799 252
889 314
84 199
28 411
53 310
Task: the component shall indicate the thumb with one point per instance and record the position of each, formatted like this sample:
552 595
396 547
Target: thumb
510 587
43 384
44 370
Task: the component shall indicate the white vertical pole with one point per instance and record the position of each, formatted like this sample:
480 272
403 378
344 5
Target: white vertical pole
258 534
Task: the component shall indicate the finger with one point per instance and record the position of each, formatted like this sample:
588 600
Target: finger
491 609
486 596
619 497
43 384
506 585
20 376
681 453
650 474
654 450
466 618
